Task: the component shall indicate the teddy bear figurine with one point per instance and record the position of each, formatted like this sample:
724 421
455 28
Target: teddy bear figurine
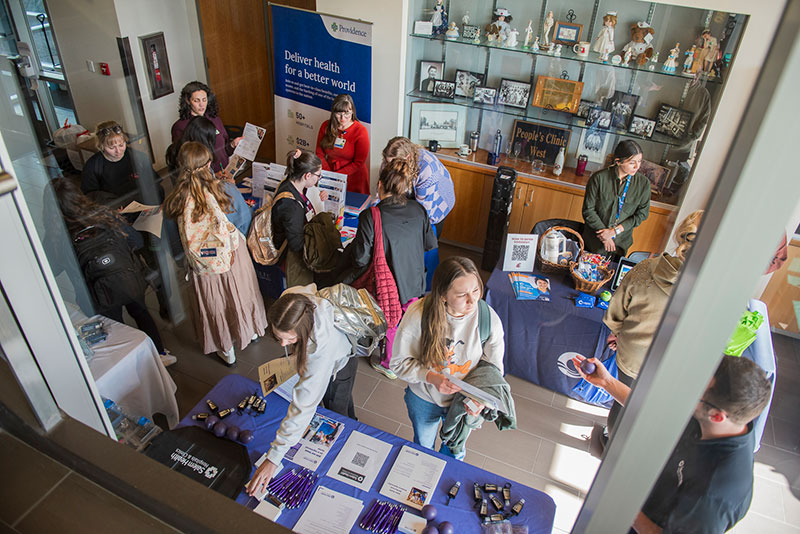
640 45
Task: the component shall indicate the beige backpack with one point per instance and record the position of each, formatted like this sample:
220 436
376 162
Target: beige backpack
260 240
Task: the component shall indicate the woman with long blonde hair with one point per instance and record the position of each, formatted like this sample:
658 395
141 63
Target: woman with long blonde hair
228 307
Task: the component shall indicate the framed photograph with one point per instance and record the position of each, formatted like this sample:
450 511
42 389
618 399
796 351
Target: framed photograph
444 89
642 126
469 32
557 94
445 123
598 117
657 174
583 108
593 144
429 72
531 140
567 33
621 106
159 77
672 121
467 81
484 95
624 267
513 93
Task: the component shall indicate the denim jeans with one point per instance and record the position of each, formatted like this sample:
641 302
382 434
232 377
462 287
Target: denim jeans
425 417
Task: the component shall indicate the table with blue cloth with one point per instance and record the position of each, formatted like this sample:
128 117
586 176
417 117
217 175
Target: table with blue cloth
541 337
538 512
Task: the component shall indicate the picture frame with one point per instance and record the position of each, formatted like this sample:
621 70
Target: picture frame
557 94
444 89
532 140
583 108
469 31
597 117
567 33
156 60
657 174
466 81
442 122
427 78
624 267
513 93
673 121
594 144
484 95
621 106
642 126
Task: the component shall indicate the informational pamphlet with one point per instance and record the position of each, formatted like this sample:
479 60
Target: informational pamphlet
266 179
520 252
411 524
134 207
275 372
150 220
250 141
235 165
477 394
360 460
530 287
317 440
329 512
413 477
286 389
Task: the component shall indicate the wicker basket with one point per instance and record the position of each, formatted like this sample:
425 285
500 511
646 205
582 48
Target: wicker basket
548 266
585 285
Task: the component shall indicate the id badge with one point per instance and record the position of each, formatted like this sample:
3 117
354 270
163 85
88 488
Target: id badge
339 143
210 252
309 216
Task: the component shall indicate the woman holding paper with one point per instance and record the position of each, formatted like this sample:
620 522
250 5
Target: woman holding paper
198 100
303 324
290 214
438 337
343 144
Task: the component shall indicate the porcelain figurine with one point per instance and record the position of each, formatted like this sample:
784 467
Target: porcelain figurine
548 25
689 61
452 31
535 45
439 18
557 51
628 55
604 42
465 18
477 38
653 62
512 42
499 27
708 54
671 63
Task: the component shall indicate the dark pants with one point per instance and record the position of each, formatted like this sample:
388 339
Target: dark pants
143 319
339 395
613 413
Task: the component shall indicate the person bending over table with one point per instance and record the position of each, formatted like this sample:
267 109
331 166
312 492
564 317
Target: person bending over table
707 483
198 100
635 310
290 215
439 337
431 181
407 234
303 322
343 144
616 201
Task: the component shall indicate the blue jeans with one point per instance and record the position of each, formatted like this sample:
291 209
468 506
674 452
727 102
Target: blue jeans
425 417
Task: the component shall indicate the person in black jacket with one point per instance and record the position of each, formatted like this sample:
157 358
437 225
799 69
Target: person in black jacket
407 234
290 215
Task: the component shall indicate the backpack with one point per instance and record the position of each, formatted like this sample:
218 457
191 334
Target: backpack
211 241
321 243
357 315
111 269
484 321
260 240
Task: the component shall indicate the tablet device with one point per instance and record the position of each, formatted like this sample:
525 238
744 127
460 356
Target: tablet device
623 267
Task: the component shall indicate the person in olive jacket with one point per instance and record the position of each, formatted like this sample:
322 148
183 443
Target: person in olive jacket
617 200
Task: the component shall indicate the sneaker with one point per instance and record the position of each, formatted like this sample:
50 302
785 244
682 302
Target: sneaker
254 338
597 441
388 373
167 358
227 356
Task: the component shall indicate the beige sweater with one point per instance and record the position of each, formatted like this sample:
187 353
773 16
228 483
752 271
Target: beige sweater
635 311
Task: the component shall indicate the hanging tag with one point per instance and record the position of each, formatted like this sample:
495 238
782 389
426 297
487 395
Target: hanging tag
339 143
309 216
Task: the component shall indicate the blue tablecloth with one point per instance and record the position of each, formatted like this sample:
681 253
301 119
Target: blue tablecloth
538 513
540 336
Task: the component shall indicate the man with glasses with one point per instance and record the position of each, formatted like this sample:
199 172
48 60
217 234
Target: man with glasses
707 483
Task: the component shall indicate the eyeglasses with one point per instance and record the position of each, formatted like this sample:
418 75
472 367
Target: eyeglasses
342 113
317 174
117 129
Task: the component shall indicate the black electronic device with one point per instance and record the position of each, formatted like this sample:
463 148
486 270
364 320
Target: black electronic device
505 181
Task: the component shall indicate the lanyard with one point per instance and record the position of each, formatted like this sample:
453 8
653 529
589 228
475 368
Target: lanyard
621 200
309 205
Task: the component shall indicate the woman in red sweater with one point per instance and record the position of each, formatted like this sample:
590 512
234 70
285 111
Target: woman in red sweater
343 144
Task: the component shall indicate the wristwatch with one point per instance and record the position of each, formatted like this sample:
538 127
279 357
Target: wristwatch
617 231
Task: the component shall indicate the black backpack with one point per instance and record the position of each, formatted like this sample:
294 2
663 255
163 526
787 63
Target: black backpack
111 269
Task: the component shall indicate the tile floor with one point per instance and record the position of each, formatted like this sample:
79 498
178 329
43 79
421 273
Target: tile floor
549 449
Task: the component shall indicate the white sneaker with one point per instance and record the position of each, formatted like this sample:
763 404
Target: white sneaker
167 358
254 338
227 356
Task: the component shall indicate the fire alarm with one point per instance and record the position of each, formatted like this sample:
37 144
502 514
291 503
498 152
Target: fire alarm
104 70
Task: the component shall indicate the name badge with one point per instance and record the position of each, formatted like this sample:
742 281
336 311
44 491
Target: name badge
339 143
309 216
208 252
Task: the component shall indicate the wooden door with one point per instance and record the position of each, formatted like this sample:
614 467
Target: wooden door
239 64
517 207
463 223
543 203
650 236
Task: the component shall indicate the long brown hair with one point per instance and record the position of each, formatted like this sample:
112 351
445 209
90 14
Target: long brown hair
686 232
402 148
299 162
434 309
194 179
343 102
395 178
293 312
80 211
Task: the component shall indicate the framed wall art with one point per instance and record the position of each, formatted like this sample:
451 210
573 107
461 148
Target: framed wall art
672 121
657 174
567 33
557 94
642 126
621 106
159 76
444 89
593 144
467 81
429 72
445 123
469 32
513 93
484 95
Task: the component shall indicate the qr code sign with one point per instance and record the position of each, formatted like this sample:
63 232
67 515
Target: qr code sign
360 459
520 252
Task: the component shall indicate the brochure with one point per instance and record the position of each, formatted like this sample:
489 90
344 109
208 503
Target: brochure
134 206
477 394
520 252
329 512
275 372
530 287
250 141
413 477
360 460
317 440
150 220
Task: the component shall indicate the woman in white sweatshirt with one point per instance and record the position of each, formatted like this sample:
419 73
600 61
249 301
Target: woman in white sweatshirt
439 337
303 322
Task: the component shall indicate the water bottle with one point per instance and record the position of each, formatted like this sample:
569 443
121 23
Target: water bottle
494 155
558 166
136 432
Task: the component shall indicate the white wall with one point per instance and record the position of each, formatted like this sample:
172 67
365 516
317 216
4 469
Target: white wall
178 20
389 37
